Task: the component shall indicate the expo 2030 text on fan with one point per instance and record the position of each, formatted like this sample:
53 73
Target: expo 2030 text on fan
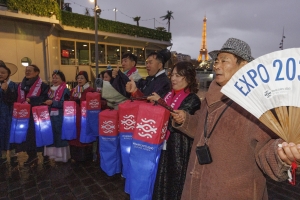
269 88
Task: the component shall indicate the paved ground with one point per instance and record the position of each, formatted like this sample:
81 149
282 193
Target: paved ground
85 180
59 181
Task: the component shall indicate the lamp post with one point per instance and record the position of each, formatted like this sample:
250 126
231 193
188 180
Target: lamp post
115 10
96 11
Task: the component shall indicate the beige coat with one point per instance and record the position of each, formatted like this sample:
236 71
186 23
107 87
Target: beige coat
241 151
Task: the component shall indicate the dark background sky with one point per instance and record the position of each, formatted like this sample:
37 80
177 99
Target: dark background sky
258 22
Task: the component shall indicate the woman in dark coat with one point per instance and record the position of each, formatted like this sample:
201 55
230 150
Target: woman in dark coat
8 95
58 93
175 156
33 91
80 151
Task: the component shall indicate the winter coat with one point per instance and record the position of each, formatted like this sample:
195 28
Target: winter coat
7 100
30 144
159 84
174 160
242 150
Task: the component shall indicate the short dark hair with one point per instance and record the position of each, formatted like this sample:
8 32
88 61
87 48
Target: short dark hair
60 74
35 68
109 72
187 70
163 56
131 57
101 74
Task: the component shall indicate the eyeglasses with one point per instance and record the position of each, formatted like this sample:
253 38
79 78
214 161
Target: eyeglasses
55 71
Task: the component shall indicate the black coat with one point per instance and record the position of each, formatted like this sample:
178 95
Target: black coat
174 161
7 99
30 144
160 84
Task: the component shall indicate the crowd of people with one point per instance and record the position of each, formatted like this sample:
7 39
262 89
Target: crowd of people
214 149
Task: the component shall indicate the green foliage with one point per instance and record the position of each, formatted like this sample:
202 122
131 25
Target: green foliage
161 28
3 2
82 21
45 8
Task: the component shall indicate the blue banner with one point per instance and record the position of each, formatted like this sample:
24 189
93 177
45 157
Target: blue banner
69 128
92 122
109 149
125 143
144 158
18 130
84 137
43 133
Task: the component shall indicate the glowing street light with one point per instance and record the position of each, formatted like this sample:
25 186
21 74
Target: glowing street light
97 11
115 10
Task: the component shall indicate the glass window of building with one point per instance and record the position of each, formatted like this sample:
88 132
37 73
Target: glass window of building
101 54
82 53
126 50
113 54
67 52
140 53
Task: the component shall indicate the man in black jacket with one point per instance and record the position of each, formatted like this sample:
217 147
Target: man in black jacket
157 81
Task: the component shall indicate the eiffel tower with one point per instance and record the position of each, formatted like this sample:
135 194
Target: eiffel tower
203 50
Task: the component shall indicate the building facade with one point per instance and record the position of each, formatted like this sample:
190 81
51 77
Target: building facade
51 44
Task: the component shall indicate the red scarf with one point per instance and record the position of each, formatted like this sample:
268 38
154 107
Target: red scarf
57 95
174 99
131 71
35 90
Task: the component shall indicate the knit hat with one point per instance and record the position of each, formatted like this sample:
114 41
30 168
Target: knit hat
236 47
83 73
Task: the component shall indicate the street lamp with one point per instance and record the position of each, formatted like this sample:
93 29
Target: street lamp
97 11
115 10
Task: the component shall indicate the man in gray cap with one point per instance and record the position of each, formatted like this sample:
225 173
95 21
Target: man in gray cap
231 148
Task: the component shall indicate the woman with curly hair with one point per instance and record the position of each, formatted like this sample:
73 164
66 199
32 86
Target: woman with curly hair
175 156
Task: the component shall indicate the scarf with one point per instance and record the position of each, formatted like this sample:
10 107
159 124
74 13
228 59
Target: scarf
130 72
55 93
174 99
77 91
31 86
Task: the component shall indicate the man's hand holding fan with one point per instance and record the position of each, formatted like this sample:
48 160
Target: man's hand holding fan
269 88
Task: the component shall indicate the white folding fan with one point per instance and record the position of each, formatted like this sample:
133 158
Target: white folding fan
269 88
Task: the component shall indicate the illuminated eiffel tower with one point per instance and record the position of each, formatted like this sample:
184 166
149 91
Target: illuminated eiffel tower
203 49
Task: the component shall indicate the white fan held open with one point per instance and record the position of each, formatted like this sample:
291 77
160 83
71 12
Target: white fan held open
269 88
